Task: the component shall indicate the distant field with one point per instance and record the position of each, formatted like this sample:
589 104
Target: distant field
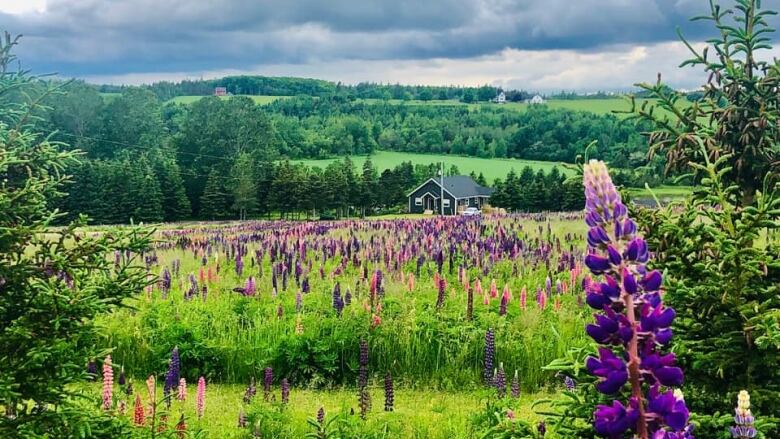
260 100
662 192
598 106
490 168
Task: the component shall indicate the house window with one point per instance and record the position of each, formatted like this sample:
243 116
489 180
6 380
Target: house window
446 202
418 201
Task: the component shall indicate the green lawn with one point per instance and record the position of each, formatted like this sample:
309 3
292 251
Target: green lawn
662 192
260 100
490 168
417 413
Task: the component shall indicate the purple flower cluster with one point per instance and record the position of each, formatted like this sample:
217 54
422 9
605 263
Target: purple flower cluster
490 352
174 370
389 395
633 324
268 380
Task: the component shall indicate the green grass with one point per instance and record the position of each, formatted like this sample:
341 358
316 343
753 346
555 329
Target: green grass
598 106
417 413
260 100
662 192
490 168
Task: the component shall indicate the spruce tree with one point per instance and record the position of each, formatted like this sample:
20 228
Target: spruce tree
213 202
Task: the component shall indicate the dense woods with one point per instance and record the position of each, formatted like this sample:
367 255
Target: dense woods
150 160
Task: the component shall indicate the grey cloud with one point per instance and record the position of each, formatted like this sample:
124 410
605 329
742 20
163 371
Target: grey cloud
102 37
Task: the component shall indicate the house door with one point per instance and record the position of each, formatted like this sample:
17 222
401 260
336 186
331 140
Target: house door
430 202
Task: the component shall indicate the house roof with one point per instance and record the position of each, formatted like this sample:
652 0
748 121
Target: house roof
460 186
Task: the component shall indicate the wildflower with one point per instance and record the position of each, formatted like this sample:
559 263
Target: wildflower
523 298
108 383
490 352
181 428
268 380
250 392
502 306
510 414
541 427
172 376
91 370
298 325
139 415
122 380
182 393
743 418
321 416
569 383
200 399
633 321
515 387
285 391
241 418
389 392
150 387
500 381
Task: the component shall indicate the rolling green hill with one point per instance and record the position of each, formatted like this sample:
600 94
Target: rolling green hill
490 168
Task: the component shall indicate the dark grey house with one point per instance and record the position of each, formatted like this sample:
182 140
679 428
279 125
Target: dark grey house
460 192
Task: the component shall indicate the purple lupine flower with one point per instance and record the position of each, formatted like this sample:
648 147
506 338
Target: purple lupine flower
204 292
241 418
173 374
321 416
490 352
285 391
541 427
91 370
743 418
569 383
305 285
500 381
633 324
122 380
268 380
363 364
348 297
239 265
502 306
165 282
250 392
442 292
389 397
515 387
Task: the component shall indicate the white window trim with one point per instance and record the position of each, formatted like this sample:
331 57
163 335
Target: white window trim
446 202
418 201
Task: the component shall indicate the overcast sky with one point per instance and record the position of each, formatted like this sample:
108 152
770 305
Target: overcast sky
539 45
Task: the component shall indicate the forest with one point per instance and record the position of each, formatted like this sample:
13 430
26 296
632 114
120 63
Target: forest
149 160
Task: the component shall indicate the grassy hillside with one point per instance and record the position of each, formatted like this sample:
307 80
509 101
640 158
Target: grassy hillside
490 168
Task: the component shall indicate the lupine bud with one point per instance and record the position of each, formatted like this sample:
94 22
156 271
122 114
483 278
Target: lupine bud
490 351
285 391
515 388
108 383
388 392
200 402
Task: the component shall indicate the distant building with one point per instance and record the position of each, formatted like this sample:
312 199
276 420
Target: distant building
220 91
536 100
500 98
460 192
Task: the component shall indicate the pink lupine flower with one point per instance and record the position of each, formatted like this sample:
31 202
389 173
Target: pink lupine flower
210 275
523 298
200 402
108 383
182 394
201 275
139 416
485 299
493 289
507 292
411 282
375 321
477 286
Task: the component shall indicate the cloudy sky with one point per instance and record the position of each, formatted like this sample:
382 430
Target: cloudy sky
540 45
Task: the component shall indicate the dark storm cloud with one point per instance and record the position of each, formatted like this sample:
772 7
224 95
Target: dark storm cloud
105 37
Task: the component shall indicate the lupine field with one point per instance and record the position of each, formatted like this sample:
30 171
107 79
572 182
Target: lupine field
411 325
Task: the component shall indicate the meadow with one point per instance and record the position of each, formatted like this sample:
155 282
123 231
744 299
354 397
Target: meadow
292 305
490 168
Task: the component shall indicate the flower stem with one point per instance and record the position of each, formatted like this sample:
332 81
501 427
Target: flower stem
633 367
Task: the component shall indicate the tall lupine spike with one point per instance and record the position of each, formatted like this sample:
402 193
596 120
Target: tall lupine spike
182 393
502 306
523 298
515 388
632 320
285 391
389 396
442 292
200 399
241 418
172 376
490 352
108 383
139 414
268 380
181 428
500 381
743 418
321 416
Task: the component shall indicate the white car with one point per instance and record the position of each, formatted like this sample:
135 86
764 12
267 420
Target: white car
471 211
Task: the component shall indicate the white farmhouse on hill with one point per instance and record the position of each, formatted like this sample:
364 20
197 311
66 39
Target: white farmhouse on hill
536 100
500 98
